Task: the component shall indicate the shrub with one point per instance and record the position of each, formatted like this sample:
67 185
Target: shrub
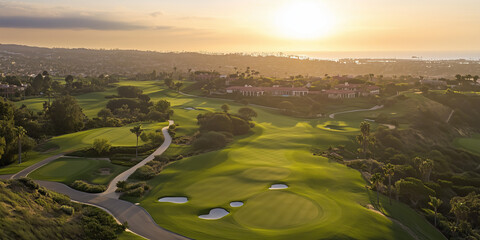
210 140
87 187
155 115
129 91
67 209
239 126
118 103
101 146
29 183
144 173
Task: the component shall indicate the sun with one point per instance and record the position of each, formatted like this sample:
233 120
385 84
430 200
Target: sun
303 20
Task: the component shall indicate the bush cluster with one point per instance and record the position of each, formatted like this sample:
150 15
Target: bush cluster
87 187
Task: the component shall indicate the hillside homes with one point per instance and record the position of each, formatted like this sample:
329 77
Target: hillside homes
345 90
248 90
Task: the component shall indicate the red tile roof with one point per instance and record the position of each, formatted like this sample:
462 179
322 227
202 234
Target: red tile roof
267 88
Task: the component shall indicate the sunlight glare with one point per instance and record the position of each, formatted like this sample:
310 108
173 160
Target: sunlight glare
303 20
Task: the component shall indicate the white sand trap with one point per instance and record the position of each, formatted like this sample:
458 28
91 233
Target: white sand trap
278 186
236 204
215 213
173 199
190 108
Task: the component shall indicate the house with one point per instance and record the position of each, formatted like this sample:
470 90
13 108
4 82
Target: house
9 90
361 90
336 94
248 90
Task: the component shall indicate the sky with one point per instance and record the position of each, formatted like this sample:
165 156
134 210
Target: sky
244 26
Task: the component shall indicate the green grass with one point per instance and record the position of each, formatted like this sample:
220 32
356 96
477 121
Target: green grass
67 170
325 200
471 144
118 136
129 236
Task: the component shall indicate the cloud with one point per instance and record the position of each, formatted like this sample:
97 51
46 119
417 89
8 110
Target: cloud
70 23
156 14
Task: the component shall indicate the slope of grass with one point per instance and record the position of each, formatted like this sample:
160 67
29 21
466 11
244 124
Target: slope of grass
67 170
118 136
471 144
28 211
325 200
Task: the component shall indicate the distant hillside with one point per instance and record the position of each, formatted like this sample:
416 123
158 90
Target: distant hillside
18 59
28 211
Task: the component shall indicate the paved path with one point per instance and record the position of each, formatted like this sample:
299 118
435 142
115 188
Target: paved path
450 116
139 221
110 192
358 110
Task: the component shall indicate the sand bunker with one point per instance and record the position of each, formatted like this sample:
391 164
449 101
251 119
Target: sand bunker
278 186
173 199
236 204
215 213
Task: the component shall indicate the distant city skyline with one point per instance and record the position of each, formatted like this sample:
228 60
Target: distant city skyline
246 26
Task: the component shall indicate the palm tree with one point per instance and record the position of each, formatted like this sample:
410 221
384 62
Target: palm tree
376 179
20 132
137 130
426 168
178 85
435 203
364 137
389 170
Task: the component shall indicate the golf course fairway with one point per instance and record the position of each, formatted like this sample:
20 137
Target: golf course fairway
324 199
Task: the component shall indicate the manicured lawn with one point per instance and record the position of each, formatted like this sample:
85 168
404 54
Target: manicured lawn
129 236
471 144
118 136
325 200
67 170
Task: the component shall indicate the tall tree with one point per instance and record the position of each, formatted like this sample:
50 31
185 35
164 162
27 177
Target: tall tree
364 137
426 168
376 180
460 210
225 108
105 114
68 81
66 114
137 130
247 113
20 132
389 170
178 85
435 204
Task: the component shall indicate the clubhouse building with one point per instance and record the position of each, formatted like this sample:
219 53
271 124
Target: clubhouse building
340 91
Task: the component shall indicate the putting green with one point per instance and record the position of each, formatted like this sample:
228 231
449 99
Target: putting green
284 210
325 200
266 173
337 126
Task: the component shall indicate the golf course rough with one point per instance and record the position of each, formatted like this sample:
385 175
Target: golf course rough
324 199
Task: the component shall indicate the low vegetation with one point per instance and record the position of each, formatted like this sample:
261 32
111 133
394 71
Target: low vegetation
29 211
